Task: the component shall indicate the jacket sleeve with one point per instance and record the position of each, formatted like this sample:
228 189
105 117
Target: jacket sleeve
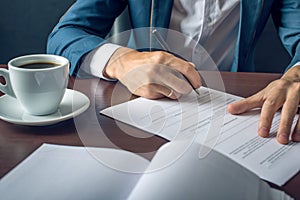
83 28
286 16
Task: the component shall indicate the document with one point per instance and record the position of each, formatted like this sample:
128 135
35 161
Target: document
68 172
57 172
203 120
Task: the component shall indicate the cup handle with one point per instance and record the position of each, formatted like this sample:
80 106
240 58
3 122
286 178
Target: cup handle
7 89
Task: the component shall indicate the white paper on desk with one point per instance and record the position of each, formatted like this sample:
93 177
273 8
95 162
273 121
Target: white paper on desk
56 172
191 177
65 172
236 139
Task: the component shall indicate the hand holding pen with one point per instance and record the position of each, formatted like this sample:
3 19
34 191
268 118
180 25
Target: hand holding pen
165 46
154 74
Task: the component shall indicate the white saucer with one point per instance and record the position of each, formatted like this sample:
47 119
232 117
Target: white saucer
73 104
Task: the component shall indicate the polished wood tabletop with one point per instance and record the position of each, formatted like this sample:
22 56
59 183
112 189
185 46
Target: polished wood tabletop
93 129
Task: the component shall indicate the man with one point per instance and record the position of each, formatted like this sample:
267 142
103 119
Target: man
227 29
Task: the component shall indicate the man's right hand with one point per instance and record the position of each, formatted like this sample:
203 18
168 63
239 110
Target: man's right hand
153 75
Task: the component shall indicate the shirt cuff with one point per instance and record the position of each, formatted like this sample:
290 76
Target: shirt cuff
94 62
298 63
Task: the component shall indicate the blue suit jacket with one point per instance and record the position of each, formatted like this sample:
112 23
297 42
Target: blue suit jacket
88 22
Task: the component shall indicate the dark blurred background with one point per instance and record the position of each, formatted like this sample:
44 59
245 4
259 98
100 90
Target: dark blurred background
25 25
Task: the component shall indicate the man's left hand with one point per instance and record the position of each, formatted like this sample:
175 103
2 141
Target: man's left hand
282 93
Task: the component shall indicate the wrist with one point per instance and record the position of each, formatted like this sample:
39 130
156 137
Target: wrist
115 66
293 74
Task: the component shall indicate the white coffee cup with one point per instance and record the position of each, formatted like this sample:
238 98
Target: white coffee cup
38 82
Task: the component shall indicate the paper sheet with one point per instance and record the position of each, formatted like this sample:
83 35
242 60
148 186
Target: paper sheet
56 172
66 172
191 177
204 119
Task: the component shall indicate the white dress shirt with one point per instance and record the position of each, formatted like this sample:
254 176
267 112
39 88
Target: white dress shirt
211 23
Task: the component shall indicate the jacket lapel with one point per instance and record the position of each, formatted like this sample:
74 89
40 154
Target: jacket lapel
150 12
162 10
251 14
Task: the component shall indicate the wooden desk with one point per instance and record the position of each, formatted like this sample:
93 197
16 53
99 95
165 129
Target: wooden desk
17 142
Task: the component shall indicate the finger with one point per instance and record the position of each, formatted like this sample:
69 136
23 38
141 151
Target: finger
176 82
167 92
187 69
270 106
288 113
191 74
296 131
198 77
156 91
254 101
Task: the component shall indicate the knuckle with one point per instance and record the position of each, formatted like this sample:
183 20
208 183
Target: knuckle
158 57
271 102
187 69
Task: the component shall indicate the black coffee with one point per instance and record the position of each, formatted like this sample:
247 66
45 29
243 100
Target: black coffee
39 65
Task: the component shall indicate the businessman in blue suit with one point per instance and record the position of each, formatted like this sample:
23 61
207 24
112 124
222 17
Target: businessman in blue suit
227 29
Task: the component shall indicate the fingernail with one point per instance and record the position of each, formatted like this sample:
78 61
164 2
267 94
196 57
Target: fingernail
192 64
283 138
263 132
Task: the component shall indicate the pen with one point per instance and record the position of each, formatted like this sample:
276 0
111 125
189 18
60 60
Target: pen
165 46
